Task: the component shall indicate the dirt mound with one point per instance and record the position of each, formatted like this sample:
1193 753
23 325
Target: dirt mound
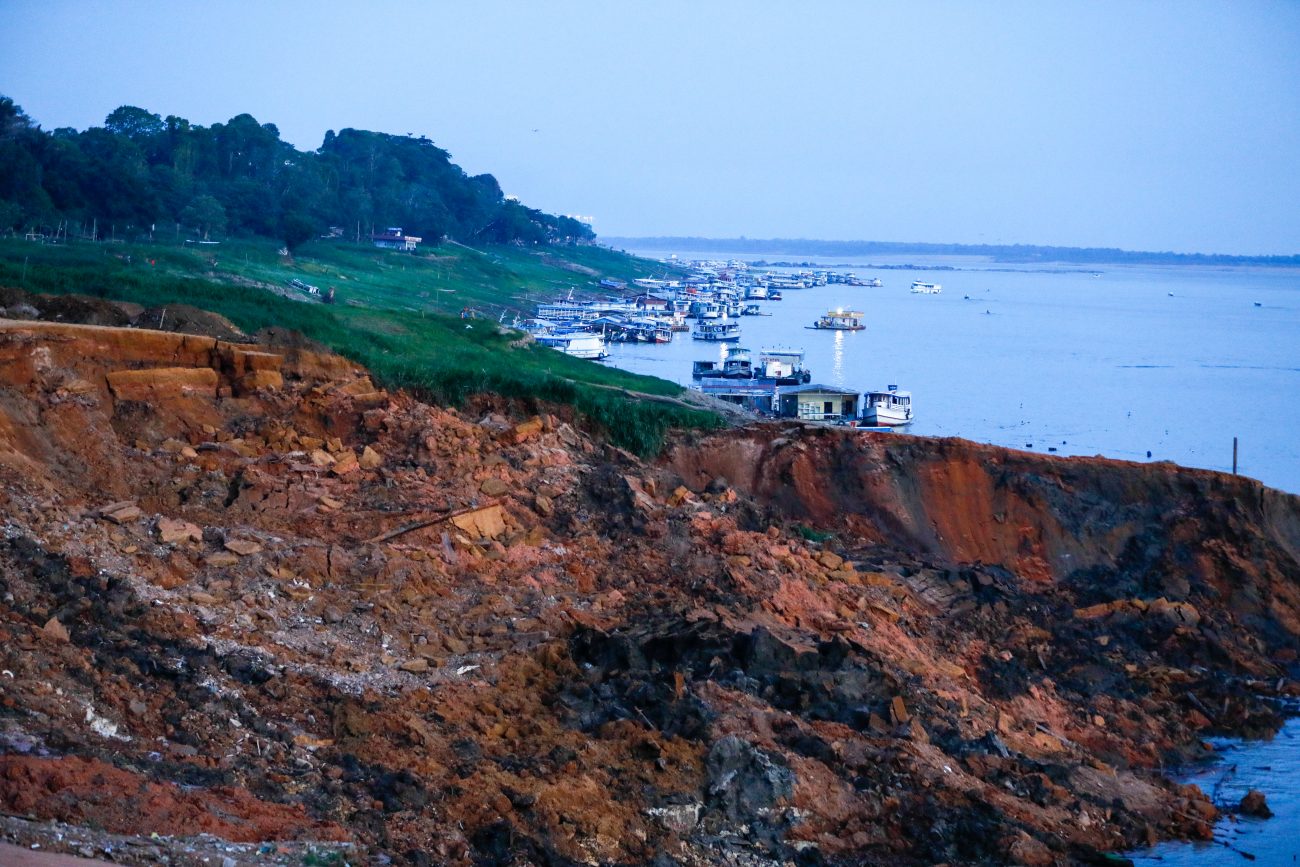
269 593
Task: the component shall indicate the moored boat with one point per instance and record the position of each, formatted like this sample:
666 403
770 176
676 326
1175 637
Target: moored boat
716 330
920 287
840 319
579 344
889 408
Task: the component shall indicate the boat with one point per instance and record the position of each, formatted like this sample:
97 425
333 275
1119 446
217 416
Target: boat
840 319
736 365
753 310
782 366
920 287
773 294
872 283
889 408
579 344
716 330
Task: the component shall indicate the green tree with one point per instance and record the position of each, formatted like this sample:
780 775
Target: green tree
206 215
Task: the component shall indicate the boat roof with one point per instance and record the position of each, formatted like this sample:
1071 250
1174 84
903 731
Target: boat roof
886 393
825 389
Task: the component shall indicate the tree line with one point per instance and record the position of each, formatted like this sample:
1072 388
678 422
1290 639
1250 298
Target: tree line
141 173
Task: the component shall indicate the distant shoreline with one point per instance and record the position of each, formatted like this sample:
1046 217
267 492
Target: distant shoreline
1019 254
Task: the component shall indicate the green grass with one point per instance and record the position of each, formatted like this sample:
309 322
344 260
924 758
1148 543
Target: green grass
398 325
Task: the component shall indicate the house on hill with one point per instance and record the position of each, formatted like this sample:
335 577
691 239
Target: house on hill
393 238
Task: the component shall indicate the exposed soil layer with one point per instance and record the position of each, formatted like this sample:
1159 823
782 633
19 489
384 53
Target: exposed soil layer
245 592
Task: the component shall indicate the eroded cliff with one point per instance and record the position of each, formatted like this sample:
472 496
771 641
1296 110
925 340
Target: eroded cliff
253 587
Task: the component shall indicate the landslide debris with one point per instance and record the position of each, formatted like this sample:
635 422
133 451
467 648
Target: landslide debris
245 593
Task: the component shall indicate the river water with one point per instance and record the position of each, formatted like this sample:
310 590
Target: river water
1124 361
1242 766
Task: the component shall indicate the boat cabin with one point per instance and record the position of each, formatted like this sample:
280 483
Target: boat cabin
819 403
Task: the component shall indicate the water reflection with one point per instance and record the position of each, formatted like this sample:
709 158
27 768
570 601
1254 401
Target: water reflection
837 360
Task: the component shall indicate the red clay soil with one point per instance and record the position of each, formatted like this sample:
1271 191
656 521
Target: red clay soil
88 791
247 592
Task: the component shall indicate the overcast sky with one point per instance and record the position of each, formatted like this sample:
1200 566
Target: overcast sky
1158 126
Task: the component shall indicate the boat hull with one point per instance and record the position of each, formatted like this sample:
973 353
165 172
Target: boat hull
885 417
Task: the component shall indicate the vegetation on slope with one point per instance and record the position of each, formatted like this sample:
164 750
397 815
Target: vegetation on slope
394 314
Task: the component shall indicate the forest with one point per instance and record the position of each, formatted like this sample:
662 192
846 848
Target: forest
142 174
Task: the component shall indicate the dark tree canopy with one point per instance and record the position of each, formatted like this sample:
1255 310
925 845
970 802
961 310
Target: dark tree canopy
140 169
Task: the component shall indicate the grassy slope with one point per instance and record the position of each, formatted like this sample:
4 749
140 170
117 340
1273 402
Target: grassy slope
396 313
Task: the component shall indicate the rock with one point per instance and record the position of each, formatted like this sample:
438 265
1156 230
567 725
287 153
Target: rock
243 547
1031 852
122 512
678 818
345 463
486 523
830 560
1253 803
418 665
221 559
744 780
321 458
543 506
680 495
331 614
172 530
494 487
55 630
370 459
898 711
527 430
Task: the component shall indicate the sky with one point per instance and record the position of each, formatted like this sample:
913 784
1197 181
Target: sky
1141 125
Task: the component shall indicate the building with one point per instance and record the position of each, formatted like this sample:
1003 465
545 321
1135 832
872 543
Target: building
759 397
816 402
393 238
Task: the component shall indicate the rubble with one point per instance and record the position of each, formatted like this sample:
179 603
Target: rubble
314 613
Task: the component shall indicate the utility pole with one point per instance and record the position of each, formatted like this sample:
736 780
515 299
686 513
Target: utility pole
1234 456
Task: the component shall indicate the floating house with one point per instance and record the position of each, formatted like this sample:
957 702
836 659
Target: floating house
816 402
393 238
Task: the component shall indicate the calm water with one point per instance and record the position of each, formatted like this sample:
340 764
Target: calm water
1263 765
1175 361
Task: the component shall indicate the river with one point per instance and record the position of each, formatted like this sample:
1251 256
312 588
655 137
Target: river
1139 363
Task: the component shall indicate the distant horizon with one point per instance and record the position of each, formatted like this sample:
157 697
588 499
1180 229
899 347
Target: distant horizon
1157 126
845 246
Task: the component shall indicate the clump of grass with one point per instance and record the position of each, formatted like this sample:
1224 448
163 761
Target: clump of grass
811 535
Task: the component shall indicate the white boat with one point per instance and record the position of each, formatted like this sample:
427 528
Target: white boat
920 287
889 408
579 344
840 319
716 330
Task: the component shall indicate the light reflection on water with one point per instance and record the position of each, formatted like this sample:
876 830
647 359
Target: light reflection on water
837 363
